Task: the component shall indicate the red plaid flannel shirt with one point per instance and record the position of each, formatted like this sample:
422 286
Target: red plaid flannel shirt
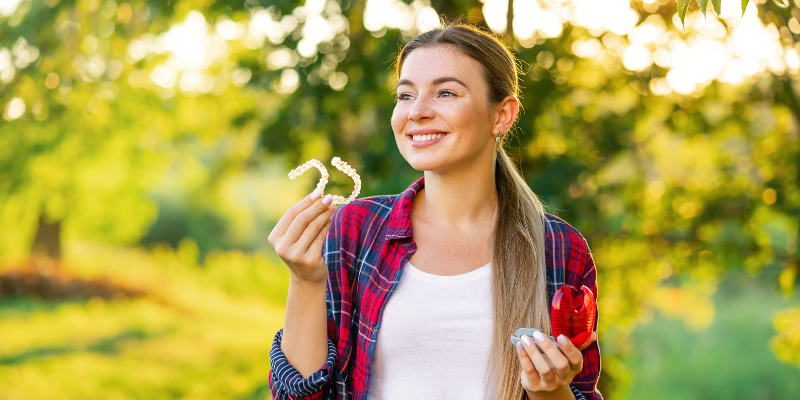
366 248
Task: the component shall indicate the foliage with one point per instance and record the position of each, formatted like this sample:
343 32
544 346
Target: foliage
670 191
100 135
787 342
203 332
725 361
683 6
674 177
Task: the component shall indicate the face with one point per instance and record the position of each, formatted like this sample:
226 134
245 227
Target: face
442 119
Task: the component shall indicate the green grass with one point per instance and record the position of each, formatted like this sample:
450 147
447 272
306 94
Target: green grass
203 333
730 360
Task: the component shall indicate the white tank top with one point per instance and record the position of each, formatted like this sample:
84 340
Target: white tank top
435 337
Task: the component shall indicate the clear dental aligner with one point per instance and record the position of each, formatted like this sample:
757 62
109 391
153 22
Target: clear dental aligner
341 166
293 174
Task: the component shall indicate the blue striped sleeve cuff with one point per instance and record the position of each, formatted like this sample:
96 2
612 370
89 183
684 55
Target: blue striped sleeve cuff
289 381
577 393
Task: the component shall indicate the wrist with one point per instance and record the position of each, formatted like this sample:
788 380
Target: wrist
559 393
306 284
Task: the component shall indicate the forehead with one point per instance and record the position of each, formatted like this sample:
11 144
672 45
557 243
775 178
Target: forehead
425 64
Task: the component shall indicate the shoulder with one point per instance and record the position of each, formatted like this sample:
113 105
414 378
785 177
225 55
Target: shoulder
567 252
367 208
362 214
561 234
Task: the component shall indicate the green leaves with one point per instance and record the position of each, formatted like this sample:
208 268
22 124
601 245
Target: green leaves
703 5
683 5
717 6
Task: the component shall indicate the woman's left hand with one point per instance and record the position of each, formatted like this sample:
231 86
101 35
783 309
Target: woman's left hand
565 361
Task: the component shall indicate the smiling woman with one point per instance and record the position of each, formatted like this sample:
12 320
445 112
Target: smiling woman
415 295
430 107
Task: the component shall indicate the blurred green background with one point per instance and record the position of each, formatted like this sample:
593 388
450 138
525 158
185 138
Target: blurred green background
145 146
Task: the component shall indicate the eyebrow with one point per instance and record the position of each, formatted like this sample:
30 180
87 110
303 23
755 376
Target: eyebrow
437 81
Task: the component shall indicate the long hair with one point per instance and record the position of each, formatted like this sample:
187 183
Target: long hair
519 283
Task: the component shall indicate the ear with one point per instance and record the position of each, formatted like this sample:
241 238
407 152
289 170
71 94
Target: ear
507 112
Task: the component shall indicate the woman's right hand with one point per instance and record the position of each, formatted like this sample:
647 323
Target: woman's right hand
299 235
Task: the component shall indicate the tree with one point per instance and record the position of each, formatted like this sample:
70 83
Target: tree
90 108
672 186
676 170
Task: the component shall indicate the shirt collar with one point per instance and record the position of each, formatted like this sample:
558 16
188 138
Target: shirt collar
400 216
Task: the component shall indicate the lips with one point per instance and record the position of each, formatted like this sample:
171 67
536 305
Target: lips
425 134
575 323
421 138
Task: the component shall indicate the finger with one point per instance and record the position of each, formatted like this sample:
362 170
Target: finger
302 220
571 352
545 370
528 369
319 241
557 359
588 342
312 230
285 221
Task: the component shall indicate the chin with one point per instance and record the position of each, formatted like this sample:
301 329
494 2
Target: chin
428 162
425 166
439 157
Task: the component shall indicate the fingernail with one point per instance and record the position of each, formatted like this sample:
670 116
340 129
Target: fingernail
315 194
331 207
539 336
527 341
327 199
562 340
520 347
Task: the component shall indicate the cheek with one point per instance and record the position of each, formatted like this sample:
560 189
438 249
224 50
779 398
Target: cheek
463 116
398 119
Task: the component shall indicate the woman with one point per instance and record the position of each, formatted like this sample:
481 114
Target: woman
394 312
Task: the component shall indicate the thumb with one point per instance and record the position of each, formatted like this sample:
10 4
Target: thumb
589 341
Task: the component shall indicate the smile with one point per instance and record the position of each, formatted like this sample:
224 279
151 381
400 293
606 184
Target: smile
424 138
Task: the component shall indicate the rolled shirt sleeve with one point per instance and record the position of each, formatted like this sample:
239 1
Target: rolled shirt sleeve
586 381
286 383
573 265
577 393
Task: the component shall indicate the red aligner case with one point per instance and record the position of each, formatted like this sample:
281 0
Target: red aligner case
575 323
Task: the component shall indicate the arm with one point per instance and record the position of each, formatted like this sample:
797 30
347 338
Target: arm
302 356
305 334
549 376
582 263
562 393
576 369
286 383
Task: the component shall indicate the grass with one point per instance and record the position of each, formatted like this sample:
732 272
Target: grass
730 360
204 332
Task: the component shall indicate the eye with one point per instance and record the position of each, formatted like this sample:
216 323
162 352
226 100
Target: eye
403 96
446 93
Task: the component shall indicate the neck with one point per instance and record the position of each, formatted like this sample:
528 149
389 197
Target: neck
461 196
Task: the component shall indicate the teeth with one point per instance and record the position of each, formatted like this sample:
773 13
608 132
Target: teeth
423 138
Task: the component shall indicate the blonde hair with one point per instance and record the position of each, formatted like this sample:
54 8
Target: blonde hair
519 282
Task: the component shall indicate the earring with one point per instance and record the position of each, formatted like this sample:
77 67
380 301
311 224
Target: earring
497 138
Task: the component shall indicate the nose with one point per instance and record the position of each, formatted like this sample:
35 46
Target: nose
422 109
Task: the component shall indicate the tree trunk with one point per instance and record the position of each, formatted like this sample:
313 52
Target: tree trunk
510 22
48 239
460 10
447 8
